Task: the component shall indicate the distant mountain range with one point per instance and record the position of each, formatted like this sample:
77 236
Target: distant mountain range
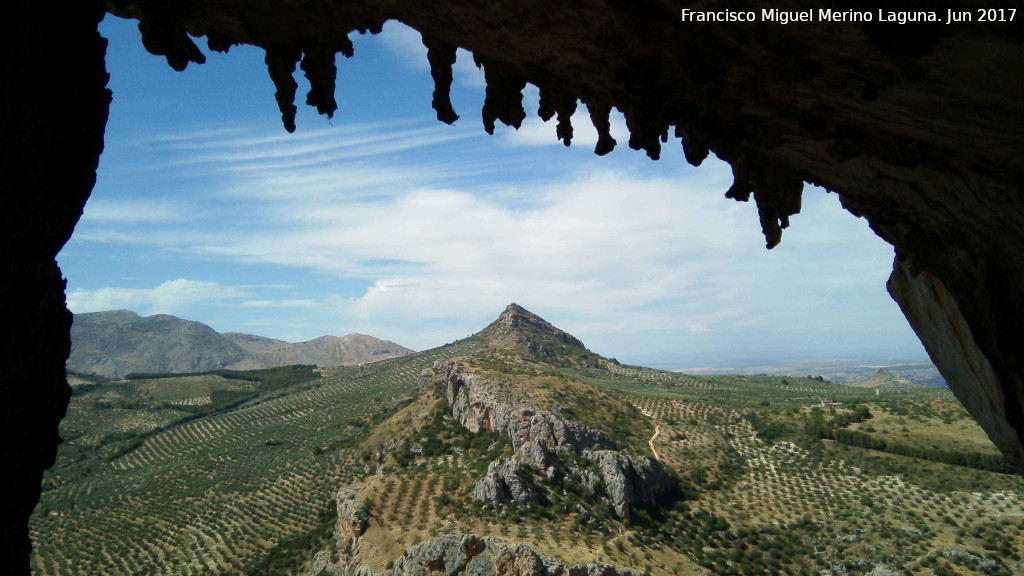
119 342
883 380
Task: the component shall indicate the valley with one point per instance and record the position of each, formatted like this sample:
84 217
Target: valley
519 451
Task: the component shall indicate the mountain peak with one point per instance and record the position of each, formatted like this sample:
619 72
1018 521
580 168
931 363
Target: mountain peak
884 379
520 330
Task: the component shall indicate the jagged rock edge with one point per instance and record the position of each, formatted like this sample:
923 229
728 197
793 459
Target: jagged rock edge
503 102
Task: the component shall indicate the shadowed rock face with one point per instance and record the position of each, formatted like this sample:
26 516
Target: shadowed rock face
917 127
53 111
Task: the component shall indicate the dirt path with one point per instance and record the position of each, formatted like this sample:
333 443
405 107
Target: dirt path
657 430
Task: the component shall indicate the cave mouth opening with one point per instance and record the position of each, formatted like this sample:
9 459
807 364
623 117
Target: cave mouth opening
918 133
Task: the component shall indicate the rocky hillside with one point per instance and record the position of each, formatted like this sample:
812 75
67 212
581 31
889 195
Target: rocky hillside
119 342
519 330
503 437
882 379
323 351
115 343
548 446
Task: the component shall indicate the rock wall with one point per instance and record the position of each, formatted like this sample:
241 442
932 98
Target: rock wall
476 556
479 407
547 445
52 115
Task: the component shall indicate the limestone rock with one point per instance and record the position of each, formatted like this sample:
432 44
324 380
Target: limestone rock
473 555
522 331
544 438
631 480
426 377
353 519
478 406
535 454
505 480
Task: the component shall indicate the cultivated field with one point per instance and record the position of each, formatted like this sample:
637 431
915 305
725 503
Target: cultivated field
237 473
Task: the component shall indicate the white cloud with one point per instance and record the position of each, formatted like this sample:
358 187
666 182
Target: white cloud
407 45
606 254
293 303
167 298
134 210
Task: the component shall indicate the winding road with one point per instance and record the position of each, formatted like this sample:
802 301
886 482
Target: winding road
657 430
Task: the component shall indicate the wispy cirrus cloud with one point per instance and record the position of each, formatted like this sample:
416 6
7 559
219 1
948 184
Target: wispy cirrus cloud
133 210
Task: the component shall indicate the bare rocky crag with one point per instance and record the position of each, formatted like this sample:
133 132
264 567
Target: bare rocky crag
476 556
548 445
118 342
519 330
467 555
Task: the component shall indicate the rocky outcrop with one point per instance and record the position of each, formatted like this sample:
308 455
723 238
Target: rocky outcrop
476 556
630 481
522 331
505 480
353 519
478 406
882 379
547 445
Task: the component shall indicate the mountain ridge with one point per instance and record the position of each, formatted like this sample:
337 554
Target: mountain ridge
114 343
883 379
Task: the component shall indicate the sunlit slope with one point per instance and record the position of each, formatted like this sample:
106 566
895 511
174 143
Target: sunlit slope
215 492
522 434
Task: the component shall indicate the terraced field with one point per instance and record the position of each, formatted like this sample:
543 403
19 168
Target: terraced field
202 476
213 494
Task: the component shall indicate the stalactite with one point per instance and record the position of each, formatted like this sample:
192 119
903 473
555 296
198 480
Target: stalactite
441 56
695 149
777 193
281 63
319 68
645 131
599 115
503 97
167 37
554 102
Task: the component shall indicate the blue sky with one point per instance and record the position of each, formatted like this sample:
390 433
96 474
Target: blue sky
386 222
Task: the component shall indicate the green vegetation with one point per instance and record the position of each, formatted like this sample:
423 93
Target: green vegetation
290 555
143 486
236 472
